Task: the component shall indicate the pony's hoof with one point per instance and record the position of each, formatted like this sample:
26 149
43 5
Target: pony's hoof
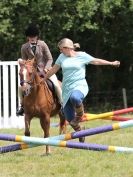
46 154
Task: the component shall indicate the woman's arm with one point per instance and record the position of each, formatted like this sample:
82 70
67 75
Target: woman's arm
98 61
52 71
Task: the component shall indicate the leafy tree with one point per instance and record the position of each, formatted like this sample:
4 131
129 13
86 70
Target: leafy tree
103 29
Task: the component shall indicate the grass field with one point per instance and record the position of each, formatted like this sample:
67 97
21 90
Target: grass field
64 162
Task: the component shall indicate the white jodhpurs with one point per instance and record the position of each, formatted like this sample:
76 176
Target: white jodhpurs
20 93
57 85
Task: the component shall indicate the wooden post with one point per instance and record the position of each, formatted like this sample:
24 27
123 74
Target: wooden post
124 97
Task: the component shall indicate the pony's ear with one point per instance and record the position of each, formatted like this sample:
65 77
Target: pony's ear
21 62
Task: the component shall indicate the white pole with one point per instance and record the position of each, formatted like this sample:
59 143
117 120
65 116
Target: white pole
13 118
0 97
8 104
5 96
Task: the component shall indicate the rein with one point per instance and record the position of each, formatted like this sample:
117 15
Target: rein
30 81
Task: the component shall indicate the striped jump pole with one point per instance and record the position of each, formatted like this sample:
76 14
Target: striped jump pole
96 147
107 114
118 118
16 147
71 144
113 118
54 141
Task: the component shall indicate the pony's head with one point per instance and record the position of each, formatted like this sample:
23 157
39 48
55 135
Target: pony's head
27 70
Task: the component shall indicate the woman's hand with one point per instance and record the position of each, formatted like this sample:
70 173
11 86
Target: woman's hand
115 63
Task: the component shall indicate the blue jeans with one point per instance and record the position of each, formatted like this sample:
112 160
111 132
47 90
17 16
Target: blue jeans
75 100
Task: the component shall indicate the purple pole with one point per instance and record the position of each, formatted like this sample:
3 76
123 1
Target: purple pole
10 148
16 147
87 146
77 145
91 131
74 135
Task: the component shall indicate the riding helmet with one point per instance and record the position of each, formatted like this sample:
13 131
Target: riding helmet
32 31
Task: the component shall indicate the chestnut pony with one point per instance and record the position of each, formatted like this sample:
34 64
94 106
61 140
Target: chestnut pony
39 101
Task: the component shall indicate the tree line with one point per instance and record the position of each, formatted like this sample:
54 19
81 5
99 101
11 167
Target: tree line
103 29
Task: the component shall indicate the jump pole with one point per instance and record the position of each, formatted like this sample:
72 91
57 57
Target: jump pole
54 141
77 145
16 147
113 118
118 118
107 114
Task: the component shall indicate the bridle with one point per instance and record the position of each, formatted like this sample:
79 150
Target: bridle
28 85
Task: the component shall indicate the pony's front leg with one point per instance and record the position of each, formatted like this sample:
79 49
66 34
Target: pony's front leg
63 123
27 125
45 124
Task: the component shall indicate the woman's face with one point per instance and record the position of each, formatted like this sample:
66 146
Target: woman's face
65 50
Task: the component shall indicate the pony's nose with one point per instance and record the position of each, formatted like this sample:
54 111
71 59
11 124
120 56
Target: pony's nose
24 86
24 92
27 89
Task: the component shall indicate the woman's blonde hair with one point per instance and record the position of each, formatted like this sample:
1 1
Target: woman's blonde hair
65 42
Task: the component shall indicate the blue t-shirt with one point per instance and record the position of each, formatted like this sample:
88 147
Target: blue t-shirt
73 70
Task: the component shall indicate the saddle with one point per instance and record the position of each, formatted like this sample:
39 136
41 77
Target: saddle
49 83
51 87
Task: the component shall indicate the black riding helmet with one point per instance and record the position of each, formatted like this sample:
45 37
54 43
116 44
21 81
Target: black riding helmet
32 31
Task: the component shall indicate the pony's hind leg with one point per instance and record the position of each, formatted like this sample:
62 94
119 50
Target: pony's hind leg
27 125
45 124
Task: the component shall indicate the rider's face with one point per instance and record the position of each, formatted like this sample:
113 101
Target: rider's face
32 40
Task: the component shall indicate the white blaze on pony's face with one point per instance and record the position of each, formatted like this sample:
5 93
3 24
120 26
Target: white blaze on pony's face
26 72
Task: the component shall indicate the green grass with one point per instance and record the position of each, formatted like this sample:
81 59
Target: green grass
64 162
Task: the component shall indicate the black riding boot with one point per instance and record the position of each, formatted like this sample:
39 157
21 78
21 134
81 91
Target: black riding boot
20 112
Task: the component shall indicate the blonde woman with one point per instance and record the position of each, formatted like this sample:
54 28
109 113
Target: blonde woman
74 85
